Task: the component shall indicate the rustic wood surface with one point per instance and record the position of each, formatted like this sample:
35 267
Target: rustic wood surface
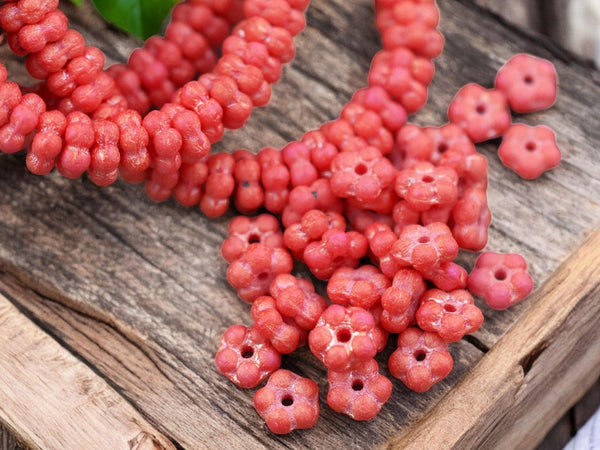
138 290
50 399
521 380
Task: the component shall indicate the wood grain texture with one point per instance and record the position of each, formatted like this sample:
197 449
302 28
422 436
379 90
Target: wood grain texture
149 274
539 367
7 440
51 400
523 13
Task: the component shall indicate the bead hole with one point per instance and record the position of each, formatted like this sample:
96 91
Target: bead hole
442 147
530 146
428 179
287 401
500 274
480 108
449 308
361 169
420 355
528 79
247 352
253 238
423 239
263 276
357 385
344 335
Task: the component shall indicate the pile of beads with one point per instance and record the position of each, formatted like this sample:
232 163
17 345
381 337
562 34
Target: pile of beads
366 185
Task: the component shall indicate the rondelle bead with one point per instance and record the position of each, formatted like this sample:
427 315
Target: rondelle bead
243 231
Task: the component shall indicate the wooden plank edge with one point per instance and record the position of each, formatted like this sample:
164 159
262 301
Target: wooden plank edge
51 400
501 402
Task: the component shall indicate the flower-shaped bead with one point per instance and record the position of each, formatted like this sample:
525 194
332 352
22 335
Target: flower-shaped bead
304 198
448 137
471 219
500 279
252 273
357 287
425 185
375 98
528 82
425 247
401 301
313 225
288 402
245 356
296 299
529 151
421 359
449 314
363 174
344 337
482 113
243 231
360 393
336 249
283 336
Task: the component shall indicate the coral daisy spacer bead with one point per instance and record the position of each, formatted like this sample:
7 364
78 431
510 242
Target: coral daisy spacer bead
529 151
288 402
530 83
500 279
482 113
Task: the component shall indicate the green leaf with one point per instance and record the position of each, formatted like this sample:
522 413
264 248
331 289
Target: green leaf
140 17
77 2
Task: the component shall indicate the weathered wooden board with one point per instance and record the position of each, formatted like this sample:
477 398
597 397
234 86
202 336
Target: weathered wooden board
150 284
51 400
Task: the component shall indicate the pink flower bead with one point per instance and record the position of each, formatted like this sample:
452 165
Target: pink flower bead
288 402
450 314
482 113
359 393
528 82
245 356
500 279
296 299
243 231
529 151
424 186
344 337
357 287
252 273
421 359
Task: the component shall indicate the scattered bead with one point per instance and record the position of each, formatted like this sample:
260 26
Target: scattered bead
361 287
500 279
245 357
359 393
288 402
528 82
529 151
421 359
